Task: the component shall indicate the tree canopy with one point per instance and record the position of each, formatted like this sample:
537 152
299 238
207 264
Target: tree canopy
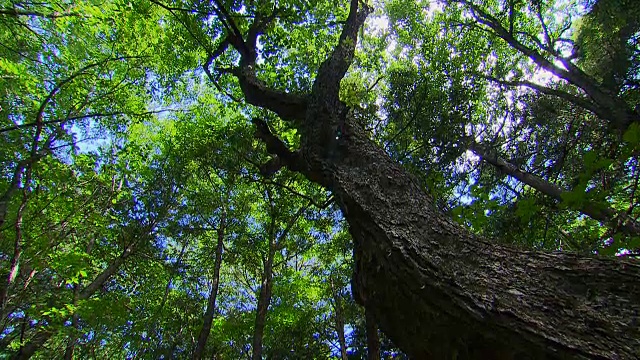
319 179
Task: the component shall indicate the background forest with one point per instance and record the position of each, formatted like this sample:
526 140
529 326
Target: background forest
137 217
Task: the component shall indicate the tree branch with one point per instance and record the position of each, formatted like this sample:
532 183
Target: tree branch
615 109
53 15
320 206
597 212
332 70
292 160
289 107
576 100
80 117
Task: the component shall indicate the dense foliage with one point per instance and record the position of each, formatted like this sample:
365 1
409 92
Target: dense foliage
136 220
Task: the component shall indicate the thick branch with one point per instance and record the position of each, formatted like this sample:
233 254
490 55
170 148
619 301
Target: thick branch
288 106
277 147
234 33
332 70
107 273
605 215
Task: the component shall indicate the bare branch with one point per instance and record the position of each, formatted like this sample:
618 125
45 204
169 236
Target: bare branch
288 106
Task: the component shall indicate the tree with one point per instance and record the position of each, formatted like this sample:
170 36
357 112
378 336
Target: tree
434 288
445 104
360 129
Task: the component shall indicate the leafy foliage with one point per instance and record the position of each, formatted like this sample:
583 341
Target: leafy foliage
126 153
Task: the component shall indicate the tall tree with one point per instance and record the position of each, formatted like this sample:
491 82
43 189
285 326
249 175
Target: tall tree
276 232
365 129
413 265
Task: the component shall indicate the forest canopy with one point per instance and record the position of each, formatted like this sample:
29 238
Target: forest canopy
319 179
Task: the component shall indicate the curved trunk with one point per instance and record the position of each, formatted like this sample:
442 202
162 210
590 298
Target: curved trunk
439 292
434 288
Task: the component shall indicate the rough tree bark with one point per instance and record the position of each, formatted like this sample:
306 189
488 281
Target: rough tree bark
434 288
211 303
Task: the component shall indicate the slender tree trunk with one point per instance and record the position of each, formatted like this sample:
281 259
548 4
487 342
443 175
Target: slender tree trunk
71 342
373 339
211 304
17 245
73 338
6 197
264 299
165 297
339 317
25 166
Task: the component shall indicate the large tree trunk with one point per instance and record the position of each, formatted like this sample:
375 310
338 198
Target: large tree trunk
211 303
435 289
439 292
